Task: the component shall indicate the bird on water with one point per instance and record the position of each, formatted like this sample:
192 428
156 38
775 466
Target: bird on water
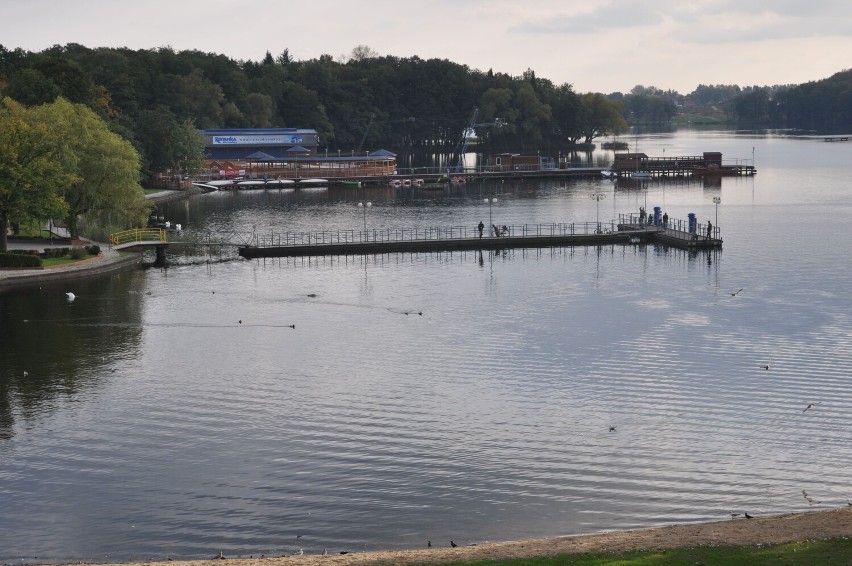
453 544
70 296
747 516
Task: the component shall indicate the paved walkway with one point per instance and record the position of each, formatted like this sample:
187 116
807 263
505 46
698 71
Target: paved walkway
108 260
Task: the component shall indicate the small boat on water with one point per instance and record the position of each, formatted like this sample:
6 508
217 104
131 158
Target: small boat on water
312 182
395 183
607 174
247 184
221 183
640 175
351 184
458 180
206 187
281 183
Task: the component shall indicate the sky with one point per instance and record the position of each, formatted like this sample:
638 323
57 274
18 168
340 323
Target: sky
595 45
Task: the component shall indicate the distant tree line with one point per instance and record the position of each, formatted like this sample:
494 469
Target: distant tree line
158 98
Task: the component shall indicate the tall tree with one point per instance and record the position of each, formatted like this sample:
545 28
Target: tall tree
106 166
601 116
32 169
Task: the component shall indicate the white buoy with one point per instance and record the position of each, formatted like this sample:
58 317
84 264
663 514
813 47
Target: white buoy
71 296
168 224
178 227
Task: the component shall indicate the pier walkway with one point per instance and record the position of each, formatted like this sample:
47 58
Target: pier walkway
627 231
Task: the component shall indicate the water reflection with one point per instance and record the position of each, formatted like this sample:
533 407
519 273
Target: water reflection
255 400
57 350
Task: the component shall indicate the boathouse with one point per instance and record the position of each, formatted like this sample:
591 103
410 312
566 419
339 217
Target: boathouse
709 161
238 144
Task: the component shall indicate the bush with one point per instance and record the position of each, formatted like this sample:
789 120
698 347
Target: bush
93 249
55 252
19 260
24 252
77 252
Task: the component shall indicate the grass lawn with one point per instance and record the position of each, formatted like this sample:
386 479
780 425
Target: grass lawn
830 552
54 261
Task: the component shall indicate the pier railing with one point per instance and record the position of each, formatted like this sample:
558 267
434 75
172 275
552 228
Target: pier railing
135 235
677 227
430 234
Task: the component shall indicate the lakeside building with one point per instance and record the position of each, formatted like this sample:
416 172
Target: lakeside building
284 153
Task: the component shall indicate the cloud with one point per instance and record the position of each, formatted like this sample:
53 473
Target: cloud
617 15
702 21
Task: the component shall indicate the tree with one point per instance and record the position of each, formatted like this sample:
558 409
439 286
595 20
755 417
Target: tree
106 166
567 114
32 169
600 116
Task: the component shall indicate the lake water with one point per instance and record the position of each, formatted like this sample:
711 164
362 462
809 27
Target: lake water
175 413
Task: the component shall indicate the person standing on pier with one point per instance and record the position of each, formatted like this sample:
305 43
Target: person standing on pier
709 229
481 228
641 216
665 219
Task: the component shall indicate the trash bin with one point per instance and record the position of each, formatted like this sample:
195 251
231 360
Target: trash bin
691 217
658 215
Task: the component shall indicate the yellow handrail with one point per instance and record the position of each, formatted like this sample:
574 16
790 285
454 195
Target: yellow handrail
138 235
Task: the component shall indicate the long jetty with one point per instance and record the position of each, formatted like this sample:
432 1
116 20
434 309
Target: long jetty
628 230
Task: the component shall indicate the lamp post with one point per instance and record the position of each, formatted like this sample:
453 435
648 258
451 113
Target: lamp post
490 202
598 198
717 201
365 206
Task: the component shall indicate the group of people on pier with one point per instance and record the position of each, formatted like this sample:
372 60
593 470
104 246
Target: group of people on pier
495 230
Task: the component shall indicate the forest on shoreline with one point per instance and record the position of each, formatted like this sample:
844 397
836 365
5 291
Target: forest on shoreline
365 101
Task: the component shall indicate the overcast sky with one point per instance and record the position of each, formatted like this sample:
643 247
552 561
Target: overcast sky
596 45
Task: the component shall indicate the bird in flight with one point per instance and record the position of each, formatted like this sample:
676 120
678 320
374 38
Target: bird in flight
735 293
810 405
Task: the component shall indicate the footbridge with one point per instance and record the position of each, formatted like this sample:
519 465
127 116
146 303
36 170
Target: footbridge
139 238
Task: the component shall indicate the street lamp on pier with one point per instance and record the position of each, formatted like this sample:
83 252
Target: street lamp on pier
365 206
598 198
490 202
717 201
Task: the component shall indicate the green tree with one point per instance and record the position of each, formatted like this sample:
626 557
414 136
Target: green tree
106 166
32 169
567 114
601 117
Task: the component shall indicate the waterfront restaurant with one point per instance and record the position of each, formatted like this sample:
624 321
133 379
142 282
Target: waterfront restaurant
285 153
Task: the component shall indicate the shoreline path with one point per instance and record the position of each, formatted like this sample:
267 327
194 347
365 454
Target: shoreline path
777 529
108 261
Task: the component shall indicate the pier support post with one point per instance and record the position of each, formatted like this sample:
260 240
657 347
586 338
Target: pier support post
160 259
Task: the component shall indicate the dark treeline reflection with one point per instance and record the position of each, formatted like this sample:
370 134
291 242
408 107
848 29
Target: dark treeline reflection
54 347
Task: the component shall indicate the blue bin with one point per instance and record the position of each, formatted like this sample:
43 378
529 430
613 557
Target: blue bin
691 217
658 215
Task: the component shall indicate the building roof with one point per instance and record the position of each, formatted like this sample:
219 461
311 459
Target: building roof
256 131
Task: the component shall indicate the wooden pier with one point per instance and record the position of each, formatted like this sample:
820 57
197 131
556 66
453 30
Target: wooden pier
708 164
627 231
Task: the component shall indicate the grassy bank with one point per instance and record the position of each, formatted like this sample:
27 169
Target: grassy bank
830 552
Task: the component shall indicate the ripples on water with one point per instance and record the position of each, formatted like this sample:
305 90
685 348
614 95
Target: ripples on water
174 429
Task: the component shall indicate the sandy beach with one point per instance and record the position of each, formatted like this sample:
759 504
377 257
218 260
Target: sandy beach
736 531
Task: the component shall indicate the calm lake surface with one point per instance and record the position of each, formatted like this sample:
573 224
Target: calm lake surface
175 413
